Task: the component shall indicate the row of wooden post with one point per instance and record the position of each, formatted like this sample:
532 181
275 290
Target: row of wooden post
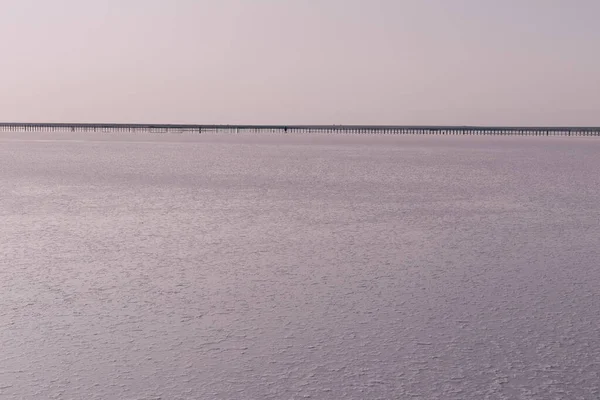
118 128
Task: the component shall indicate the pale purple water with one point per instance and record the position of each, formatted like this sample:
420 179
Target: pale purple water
303 266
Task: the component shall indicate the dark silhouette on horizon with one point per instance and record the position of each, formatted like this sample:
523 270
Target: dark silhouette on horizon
348 129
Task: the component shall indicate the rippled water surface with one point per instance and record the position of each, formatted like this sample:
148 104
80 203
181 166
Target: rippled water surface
285 267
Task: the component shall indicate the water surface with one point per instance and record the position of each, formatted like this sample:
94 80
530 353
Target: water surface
302 266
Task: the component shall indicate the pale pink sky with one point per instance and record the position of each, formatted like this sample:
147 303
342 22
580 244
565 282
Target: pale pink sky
509 62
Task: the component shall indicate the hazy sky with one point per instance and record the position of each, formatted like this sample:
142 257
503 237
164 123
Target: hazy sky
532 62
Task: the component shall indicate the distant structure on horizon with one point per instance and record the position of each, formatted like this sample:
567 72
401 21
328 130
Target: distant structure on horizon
348 129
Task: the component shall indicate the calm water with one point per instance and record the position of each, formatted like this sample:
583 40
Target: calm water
303 266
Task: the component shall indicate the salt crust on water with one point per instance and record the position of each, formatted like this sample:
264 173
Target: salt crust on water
268 266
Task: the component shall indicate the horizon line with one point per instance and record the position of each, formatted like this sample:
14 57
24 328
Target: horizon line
292 126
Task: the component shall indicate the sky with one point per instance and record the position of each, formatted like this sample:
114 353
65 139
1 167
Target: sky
457 62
